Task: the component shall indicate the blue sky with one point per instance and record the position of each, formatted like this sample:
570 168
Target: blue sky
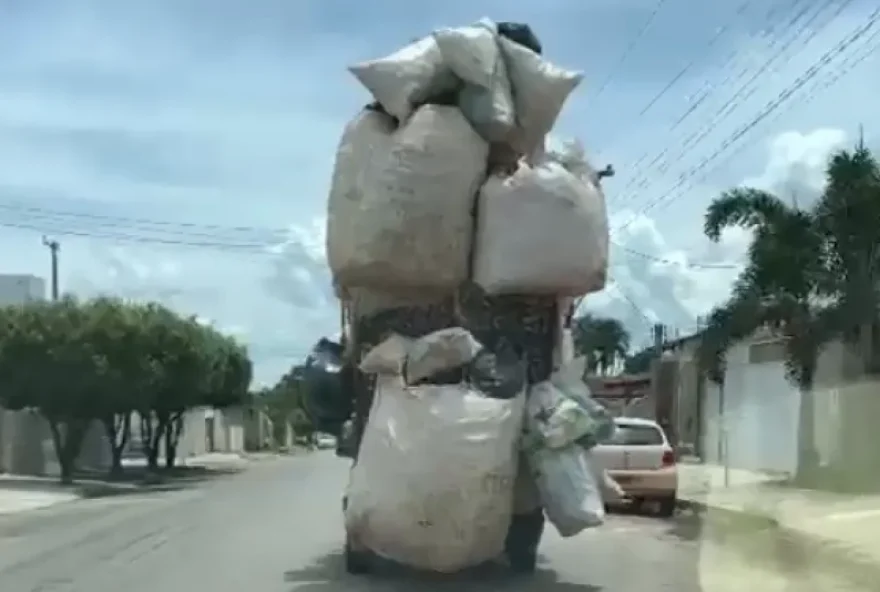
181 150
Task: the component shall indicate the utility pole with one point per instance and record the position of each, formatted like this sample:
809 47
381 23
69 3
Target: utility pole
54 247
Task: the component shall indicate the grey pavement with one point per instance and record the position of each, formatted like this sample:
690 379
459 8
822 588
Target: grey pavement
277 527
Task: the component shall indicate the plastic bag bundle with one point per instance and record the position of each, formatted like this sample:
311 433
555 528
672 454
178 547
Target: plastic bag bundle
558 417
433 485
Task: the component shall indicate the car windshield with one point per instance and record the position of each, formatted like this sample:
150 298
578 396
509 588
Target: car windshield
636 435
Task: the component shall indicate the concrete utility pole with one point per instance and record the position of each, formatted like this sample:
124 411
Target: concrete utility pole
54 246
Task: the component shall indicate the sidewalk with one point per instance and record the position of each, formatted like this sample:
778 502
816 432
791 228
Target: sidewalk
13 501
848 523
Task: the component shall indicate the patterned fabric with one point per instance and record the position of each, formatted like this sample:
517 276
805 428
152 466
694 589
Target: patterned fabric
527 324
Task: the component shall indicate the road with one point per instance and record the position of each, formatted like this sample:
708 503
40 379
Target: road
278 528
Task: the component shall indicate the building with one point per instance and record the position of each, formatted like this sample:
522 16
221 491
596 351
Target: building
752 420
21 288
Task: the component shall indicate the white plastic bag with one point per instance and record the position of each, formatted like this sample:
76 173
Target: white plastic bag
569 382
407 78
557 420
541 231
540 89
473 53
423 357
364 141
433 485
569 489
415 221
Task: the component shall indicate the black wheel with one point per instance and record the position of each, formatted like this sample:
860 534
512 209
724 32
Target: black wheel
667 507
356 562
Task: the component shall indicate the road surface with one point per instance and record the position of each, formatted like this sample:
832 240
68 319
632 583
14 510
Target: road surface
278 528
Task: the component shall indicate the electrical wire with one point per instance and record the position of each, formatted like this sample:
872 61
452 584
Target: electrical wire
768 109
629 49
664 159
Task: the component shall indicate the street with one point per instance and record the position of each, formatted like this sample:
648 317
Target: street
278 527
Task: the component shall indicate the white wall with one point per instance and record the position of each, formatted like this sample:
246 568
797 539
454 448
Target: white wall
762 412
21 288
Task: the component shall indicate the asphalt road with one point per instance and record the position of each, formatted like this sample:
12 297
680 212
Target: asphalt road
278 528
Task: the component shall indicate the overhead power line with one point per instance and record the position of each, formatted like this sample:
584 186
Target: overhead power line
803 21
633 43
808 75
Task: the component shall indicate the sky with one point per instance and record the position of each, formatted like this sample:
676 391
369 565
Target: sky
181 150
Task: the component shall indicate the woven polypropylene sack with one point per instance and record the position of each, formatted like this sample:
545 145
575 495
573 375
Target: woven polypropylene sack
541 231
433 485
540 90
407 78
365 140
415 221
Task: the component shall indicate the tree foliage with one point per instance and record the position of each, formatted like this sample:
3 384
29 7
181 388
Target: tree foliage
811 275
603 341
107 360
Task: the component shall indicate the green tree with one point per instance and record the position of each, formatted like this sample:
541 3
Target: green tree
780 289
115 334
603 341
48 364
847 216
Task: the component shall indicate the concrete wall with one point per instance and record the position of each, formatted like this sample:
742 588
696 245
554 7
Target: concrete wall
205 430
752 420
26 445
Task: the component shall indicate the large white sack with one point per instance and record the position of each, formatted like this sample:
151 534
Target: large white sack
365 141
473 53
415 222
569 488
540 90
408 77
433 484
542 230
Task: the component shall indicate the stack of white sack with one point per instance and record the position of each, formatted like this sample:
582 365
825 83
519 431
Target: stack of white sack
408 173
560 415
433 484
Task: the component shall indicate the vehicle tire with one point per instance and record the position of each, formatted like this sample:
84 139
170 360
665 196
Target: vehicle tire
667 506
357 562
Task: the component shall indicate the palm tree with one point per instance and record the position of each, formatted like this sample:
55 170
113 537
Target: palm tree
848 215
603 341
780 289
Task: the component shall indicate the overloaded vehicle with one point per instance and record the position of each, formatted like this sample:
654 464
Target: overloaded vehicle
458 244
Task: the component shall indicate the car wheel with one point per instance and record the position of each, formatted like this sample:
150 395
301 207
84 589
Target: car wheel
667 506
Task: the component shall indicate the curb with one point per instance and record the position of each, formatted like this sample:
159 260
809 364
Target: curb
763 538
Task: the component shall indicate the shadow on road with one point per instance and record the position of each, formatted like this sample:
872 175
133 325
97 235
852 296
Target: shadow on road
96 484
328 574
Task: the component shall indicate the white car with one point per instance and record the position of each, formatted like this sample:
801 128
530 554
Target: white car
641 460
325 441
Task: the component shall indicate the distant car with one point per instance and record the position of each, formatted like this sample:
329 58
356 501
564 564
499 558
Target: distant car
641 460
324 441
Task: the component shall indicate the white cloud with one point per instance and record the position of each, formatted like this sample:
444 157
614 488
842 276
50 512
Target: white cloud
221 119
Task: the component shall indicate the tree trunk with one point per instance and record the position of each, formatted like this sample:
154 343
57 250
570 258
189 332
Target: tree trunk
118 430
172 439
808 456
67 437
156 440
